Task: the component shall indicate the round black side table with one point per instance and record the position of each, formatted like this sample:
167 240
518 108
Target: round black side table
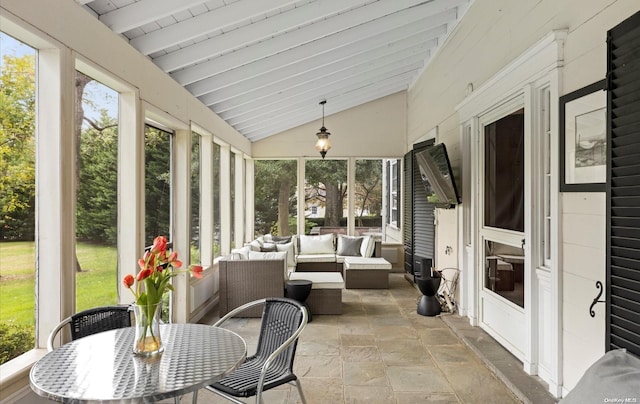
429 304
299 290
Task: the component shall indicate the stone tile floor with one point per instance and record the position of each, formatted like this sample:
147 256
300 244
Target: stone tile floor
381 351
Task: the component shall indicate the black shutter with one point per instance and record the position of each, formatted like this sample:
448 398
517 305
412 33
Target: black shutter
424 233
423 217
407 213
623 186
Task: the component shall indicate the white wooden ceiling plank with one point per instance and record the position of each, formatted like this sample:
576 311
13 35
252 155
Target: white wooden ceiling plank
143 12
349 72
249 77
326 11
288 100
291 111
279 52
375 56
313 114
205 23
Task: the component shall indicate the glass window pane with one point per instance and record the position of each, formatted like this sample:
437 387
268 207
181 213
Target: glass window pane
17 199
275 197
368 198
157 184
504 271
216 200
504 172
326 190
195 198
97 197
232 195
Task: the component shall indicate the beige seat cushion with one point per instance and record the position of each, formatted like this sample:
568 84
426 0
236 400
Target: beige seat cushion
321 280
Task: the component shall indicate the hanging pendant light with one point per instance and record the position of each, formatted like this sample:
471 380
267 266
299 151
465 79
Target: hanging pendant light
323 145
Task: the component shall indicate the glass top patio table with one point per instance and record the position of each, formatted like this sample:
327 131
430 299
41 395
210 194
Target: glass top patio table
102 367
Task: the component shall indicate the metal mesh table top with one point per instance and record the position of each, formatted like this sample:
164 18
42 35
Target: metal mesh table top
102 367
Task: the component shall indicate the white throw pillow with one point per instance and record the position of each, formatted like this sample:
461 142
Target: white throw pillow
279 255
322 244
256 245
242 252
291 256
368 247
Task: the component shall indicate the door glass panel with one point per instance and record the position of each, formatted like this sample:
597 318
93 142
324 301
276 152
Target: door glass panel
504 271
504 173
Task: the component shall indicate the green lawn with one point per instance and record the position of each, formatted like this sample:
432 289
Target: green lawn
96 285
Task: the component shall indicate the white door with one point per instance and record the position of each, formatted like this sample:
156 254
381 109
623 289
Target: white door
501 253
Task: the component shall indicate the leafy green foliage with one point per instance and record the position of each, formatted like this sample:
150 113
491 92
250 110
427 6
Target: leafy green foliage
17 148
157 183
96 211
14 340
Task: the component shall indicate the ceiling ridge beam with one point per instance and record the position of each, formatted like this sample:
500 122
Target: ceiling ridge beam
143 12
204 24
269 27
308 36
249 76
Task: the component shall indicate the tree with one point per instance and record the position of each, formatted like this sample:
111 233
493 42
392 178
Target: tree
17 148
96 216
274 186
326 180
368 190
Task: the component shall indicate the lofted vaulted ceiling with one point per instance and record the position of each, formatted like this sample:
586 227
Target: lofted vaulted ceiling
264 65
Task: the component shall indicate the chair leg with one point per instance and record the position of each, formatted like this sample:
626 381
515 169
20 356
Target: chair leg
194 399
299 386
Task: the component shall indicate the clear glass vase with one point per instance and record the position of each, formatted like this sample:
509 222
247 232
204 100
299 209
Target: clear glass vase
147 340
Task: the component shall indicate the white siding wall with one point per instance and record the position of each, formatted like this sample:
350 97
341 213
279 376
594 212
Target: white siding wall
492 34
583 263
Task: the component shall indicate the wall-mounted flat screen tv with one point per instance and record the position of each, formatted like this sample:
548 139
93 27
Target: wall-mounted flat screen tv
436 173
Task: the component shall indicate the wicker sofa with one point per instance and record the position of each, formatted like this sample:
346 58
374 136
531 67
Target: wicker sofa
242 281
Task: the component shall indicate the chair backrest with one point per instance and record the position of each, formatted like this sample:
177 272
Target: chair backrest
92 321
281 319
99 319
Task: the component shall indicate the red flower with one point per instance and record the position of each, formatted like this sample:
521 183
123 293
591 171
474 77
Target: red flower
156 270
196 270
159 244
128 281
144 274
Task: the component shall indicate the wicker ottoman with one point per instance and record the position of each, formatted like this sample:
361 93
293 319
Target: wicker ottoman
366 273
326 291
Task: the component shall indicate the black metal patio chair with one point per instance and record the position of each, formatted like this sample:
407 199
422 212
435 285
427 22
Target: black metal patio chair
283 320
92 321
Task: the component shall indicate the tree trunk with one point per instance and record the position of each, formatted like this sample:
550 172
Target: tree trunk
283 208
333 207
81 82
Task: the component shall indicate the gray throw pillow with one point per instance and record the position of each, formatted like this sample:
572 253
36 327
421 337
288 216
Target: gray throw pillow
268 247
349 246
614 375
281 239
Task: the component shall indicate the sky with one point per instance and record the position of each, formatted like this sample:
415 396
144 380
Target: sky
97 96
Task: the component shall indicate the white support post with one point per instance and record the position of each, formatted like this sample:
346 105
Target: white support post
55 196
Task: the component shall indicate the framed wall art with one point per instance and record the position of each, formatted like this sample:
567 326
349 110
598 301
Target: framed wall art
583 139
